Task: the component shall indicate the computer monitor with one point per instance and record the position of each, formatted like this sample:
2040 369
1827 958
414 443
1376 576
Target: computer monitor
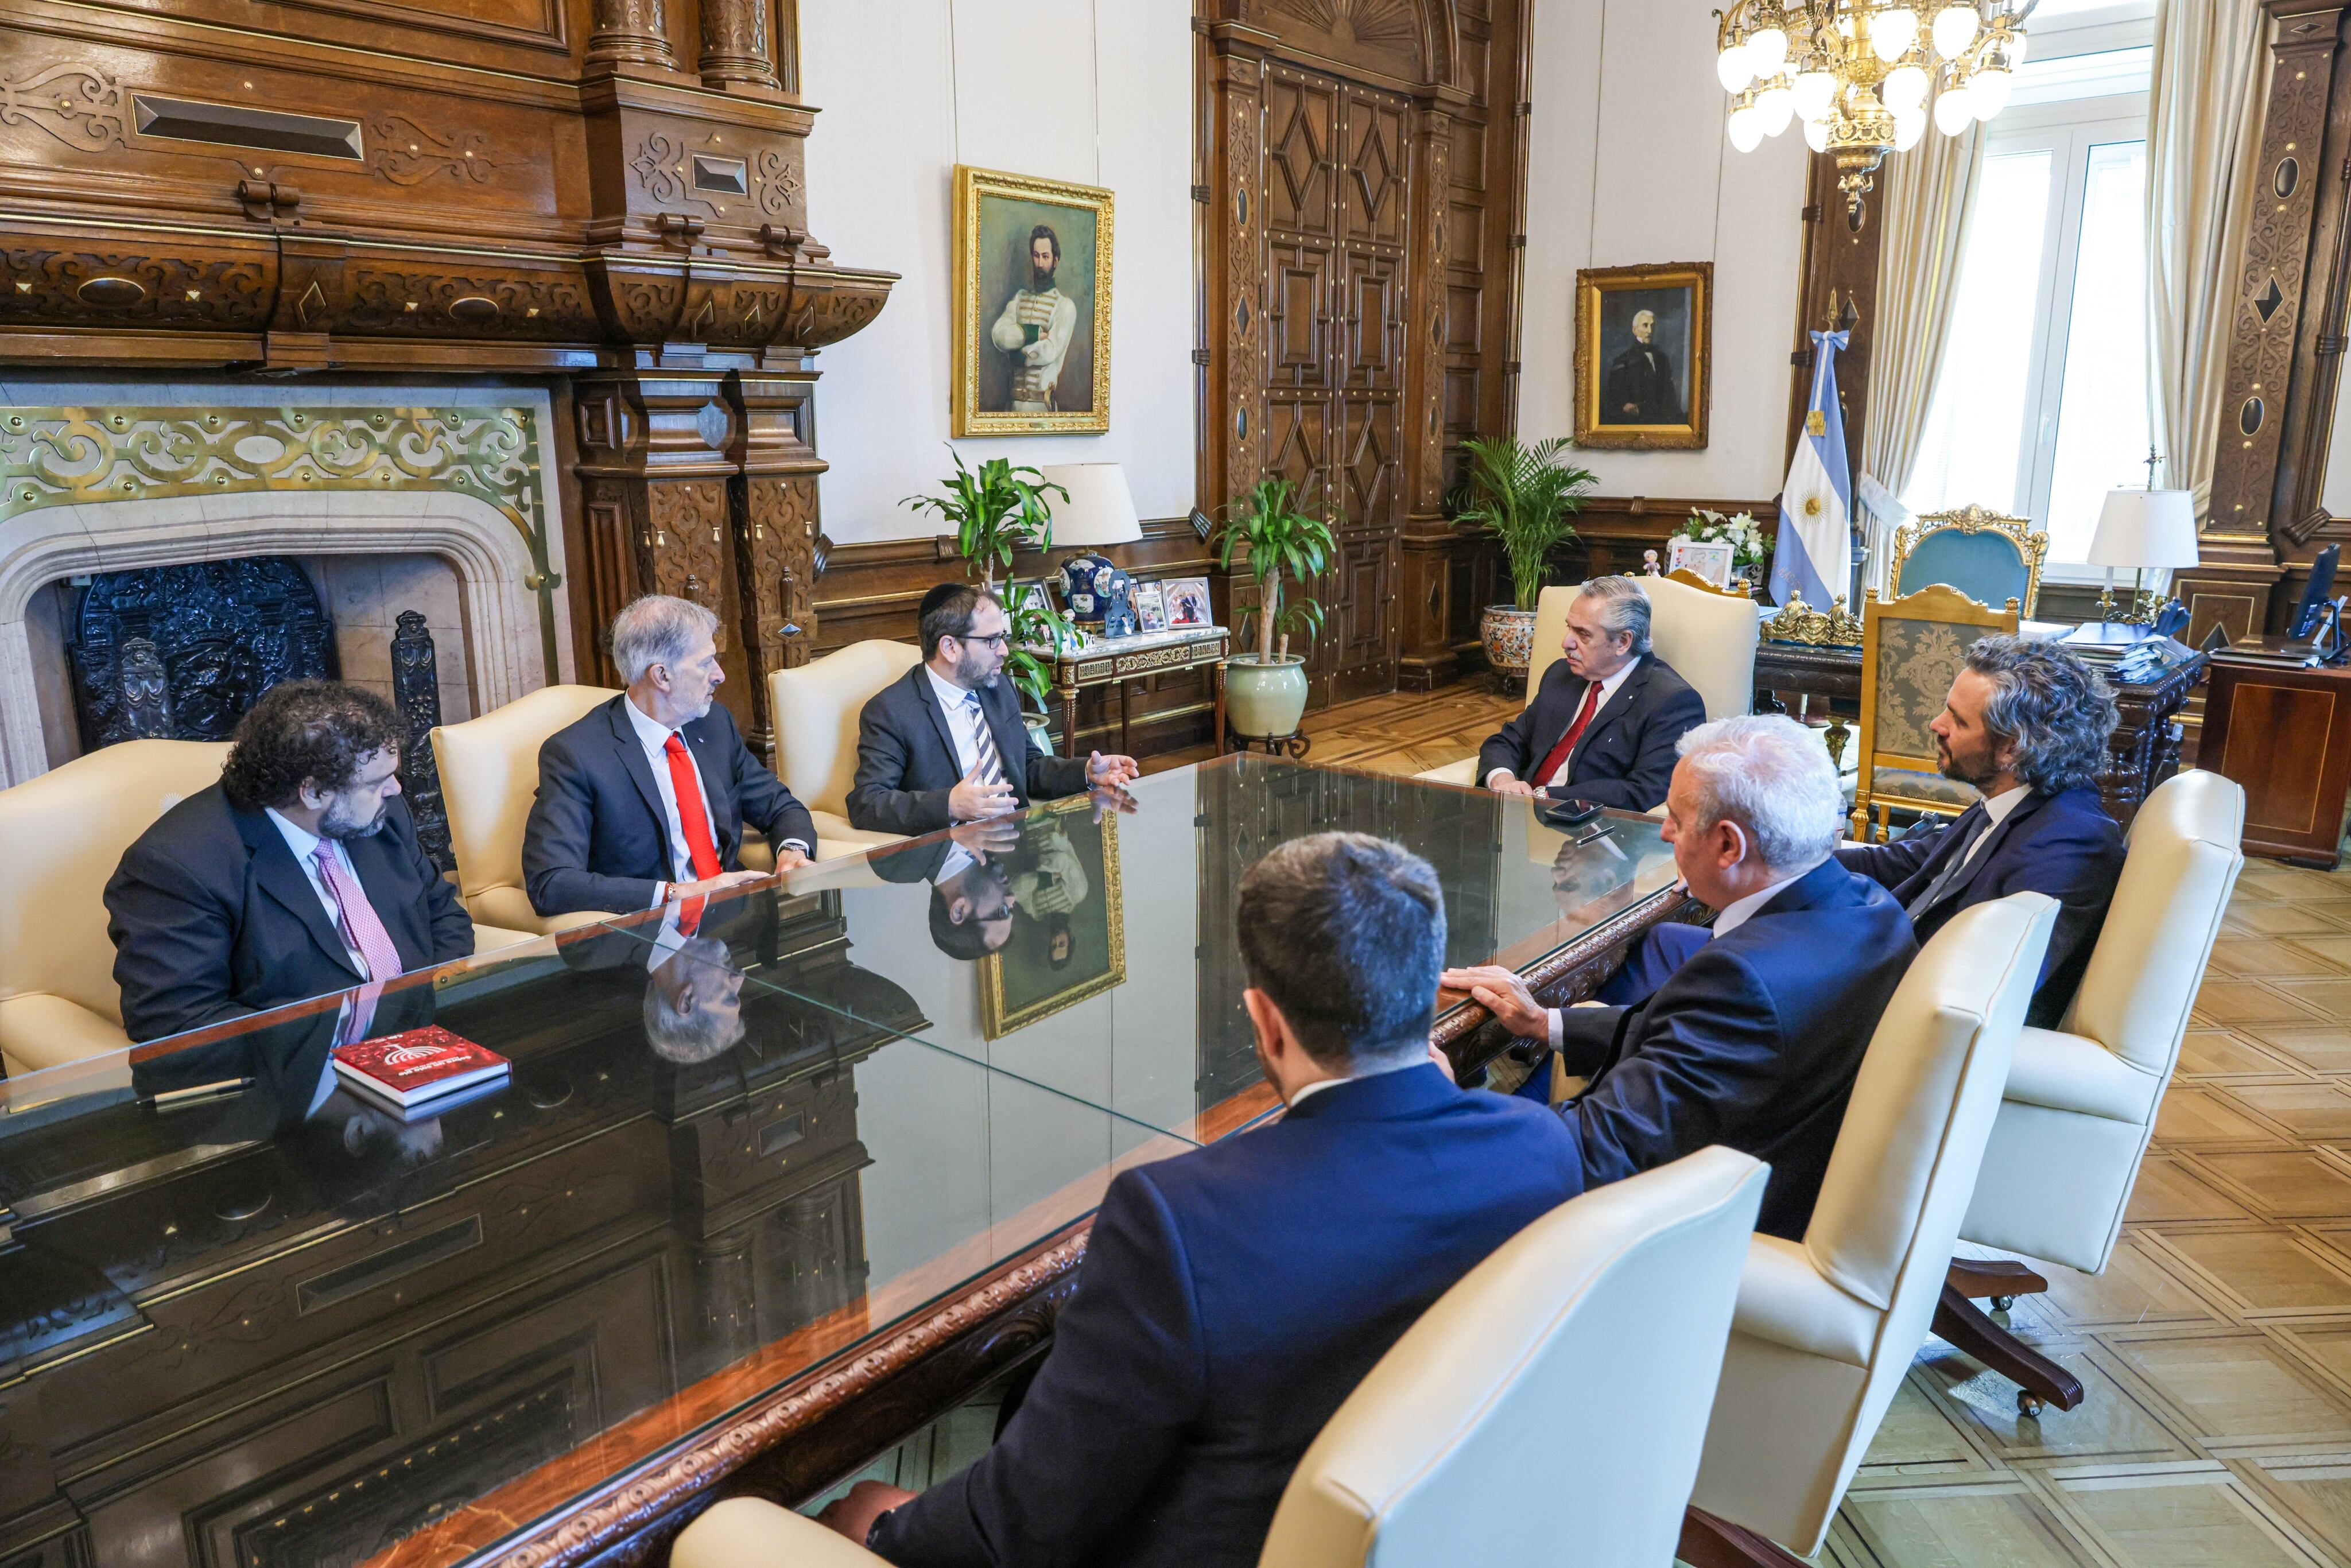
2320 589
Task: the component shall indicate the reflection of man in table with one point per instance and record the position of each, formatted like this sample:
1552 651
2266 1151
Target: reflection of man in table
1036 326
1640 388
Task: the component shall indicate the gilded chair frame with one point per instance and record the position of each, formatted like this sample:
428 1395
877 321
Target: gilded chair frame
2031 548
1741 588
1936 602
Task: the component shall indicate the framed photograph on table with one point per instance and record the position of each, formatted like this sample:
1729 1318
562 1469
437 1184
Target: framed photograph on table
1149 608
1031 306
1186 602
1643 352
1069 922
1713 559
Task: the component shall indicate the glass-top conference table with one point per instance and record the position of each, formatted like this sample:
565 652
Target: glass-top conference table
759 1199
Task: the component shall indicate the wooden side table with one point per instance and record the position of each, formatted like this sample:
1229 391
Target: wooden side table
2284 733
1113 662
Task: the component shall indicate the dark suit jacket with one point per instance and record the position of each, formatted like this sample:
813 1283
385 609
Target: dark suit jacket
213 919
1753 1042
1627 755
2063 845
906 758
597 837
1644 378
1230 1300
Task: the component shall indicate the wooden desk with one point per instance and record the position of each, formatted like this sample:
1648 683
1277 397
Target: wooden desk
2285 734
2144 752
1113 662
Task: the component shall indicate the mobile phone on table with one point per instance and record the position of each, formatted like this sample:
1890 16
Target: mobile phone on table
1569 814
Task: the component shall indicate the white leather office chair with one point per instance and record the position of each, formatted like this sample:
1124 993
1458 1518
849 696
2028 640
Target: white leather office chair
1707 636
815 708
61 836
1827 1327
489 774
2082 1099
1618 1301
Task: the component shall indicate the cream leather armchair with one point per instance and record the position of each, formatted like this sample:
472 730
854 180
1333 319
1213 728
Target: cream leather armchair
1617 1302
815 708
2082 1099
489 774
61 836
1708 637
1826 1327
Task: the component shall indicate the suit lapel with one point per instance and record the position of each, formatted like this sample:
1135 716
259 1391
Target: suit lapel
1990 845
1554 722
1614 708
640 771
277 874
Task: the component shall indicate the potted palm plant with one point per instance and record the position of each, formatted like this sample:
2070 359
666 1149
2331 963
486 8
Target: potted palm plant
994 509
1265 692
1524 495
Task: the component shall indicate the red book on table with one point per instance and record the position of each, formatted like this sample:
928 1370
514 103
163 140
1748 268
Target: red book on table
416 1065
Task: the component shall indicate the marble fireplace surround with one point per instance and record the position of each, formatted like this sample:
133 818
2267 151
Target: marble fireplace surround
503 656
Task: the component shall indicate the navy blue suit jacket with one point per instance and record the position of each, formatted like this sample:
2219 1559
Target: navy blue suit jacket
906 765
1627 755
597 837
2063 845
212 918
1230 1300
1753 1042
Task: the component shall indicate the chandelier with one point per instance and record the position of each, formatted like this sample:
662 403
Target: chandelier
1859 73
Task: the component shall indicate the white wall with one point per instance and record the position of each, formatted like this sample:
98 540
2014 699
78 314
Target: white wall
1096 91
1629 164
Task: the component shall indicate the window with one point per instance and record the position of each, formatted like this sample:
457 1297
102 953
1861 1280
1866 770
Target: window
2040 406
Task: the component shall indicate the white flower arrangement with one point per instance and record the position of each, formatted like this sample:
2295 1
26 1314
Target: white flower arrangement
1749 539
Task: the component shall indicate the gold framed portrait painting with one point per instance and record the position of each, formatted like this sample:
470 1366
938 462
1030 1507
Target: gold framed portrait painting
1031 306
1644 356
1069 922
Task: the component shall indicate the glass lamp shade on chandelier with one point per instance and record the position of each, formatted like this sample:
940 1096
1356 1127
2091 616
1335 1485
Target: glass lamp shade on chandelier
1859 73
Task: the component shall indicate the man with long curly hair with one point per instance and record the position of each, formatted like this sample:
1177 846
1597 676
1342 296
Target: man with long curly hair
297 875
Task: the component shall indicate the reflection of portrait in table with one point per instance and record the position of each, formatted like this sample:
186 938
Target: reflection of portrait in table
1064 879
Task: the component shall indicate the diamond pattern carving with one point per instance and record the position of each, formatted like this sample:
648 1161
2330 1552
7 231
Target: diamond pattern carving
2268 300
1367 470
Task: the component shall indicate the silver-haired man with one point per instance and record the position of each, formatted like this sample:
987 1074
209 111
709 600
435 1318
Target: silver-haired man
1755 1040
1603 725
643 801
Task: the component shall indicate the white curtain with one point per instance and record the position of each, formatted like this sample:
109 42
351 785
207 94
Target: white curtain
1931 195
2204 126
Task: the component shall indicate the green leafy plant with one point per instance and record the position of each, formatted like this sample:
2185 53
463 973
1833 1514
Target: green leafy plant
994 509
1283 543
1035 625
1524 495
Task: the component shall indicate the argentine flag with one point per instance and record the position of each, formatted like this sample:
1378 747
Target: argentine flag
1813 553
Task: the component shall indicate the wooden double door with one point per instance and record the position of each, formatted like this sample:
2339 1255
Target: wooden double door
1336 235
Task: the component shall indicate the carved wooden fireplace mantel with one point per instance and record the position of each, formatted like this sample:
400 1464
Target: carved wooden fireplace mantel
608 194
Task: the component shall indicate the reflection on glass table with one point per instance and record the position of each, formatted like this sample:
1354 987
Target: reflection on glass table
293 1325
1088 948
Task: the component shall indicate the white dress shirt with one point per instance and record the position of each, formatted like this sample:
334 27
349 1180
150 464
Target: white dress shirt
964 720
1608 686
655 739
304 844
1734 915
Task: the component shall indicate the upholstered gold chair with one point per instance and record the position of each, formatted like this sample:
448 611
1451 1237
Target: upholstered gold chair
1827 1326
2082 1099
1707 634
1617 1302
489 774
1988 556
815 708
61 836
1911 650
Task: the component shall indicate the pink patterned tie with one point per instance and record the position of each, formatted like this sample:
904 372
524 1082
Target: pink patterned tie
361 928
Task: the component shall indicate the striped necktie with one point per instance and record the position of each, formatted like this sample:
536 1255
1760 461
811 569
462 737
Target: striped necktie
991 763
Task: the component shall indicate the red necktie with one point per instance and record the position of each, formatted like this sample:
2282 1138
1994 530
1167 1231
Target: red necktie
691 814
1566 747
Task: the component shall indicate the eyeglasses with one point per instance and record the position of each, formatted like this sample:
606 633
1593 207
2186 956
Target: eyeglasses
999 641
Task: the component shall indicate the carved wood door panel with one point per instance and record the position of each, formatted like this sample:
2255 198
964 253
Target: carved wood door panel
1302 132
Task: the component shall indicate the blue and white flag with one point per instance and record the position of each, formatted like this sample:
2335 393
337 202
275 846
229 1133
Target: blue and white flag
1813 552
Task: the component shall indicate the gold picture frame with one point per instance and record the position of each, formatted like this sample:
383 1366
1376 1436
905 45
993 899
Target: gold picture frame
1012 1002
997 219
1661 399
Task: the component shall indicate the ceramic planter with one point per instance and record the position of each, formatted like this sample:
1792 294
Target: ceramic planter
1264 700
1508 633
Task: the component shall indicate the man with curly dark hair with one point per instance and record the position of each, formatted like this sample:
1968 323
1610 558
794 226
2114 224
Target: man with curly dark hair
2026 723
297 875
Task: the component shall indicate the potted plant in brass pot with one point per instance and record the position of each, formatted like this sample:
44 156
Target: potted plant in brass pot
1524 495
1265 692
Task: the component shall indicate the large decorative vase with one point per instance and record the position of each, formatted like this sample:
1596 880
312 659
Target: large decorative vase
1508 633
1265 700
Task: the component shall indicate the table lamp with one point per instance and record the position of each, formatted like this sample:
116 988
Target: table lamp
2142 530
1099 510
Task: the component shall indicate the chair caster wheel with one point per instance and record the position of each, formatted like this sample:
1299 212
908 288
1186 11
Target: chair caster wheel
2028 1405
2001 1303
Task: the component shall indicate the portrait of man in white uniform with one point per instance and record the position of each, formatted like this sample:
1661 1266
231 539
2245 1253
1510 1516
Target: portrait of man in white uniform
1035 327
1032 304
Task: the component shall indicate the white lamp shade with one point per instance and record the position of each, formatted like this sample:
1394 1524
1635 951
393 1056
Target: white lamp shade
1101 508
2145 529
